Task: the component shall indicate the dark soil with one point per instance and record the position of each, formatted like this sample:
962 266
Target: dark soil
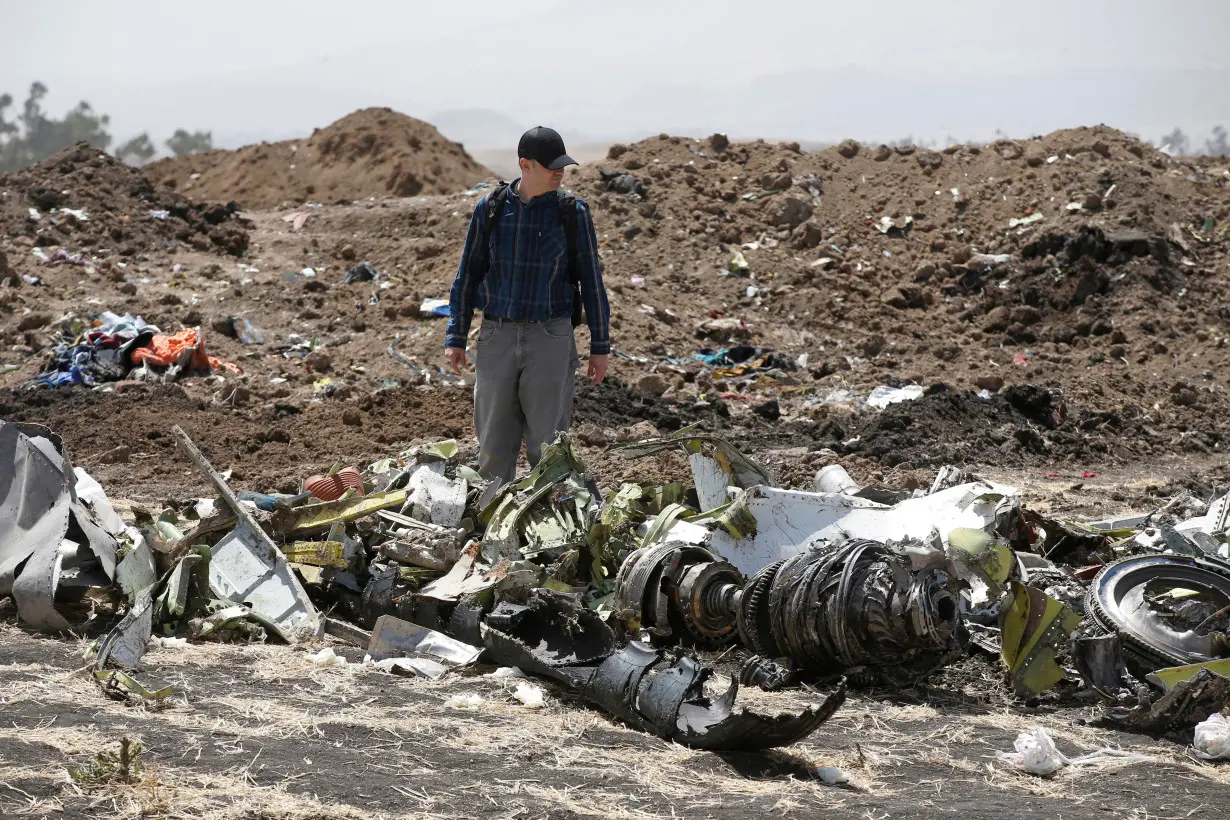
117 200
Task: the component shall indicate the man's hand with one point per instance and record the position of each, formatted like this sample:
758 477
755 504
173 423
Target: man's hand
597 368
456 358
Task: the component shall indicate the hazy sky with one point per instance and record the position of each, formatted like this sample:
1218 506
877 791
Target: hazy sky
806 70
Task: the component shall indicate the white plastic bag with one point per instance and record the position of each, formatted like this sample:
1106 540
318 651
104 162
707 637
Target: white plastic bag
1212 741
530 695
327 657
1036 754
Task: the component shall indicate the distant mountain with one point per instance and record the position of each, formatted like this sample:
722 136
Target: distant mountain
479 128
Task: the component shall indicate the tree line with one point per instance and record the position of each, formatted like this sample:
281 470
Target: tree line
32 134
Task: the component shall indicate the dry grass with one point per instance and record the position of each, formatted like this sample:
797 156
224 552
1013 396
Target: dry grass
208 752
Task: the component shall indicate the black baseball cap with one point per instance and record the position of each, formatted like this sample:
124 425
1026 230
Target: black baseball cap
546 147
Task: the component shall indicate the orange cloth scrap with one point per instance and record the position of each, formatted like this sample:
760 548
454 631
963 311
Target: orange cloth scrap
183 348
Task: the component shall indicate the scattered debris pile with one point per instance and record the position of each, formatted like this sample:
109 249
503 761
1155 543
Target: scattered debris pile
611 595
87 199
106 348
370 152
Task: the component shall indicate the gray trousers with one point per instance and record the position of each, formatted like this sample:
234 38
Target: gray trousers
523 390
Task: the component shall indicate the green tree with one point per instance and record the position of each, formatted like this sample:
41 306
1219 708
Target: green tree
137 151
182 143
34 136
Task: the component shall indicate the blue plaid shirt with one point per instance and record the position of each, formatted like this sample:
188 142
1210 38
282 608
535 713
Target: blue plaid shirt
526 277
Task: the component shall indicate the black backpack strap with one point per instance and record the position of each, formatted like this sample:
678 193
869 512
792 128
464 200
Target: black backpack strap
495 205
568 220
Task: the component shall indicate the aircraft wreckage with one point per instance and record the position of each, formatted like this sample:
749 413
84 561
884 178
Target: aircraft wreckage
619 597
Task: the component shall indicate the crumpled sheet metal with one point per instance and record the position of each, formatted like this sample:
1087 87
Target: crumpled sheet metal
765 524
44 527
545 513
247 568
716 464
1032 625
555 636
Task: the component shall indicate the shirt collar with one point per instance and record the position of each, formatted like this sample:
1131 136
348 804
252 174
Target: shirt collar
538 200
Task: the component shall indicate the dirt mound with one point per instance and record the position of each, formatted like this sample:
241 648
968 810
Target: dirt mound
854 242
372 152
87 199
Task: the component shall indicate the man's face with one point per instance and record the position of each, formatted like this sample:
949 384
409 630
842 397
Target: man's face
539 177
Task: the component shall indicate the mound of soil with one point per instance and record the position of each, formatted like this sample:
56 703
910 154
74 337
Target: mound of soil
1026 424
371 152
1056 239
87 199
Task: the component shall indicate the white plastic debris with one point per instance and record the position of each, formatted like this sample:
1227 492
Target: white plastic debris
831 775
326 658
507 672
1212 741
169 643
470 701
883 395
408 667
1025 220
1036 754
529 695
433 307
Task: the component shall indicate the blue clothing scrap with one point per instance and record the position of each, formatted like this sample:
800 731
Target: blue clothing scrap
525 275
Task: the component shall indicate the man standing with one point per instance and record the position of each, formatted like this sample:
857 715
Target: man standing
530 264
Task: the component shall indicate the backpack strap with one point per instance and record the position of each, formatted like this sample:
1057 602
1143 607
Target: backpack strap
568 220
495 205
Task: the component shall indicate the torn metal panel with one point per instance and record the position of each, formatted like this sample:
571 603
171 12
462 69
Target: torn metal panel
246 567
1099 661
91 493
1167 679
462 579
126 643
1170 610
435 498
396 638
979 555
176 591
711 482
247 571
136 570
1033 625
765 524
347 632
316 553
118 685
313 518
39 513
